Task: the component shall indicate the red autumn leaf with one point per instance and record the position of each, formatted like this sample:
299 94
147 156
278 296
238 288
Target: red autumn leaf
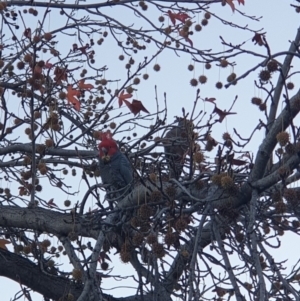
241 2
51 203
27 33
182 17
258 39
178 16
136 106
22 191
222 114
84 86
230 3
171 16
122 97
48 65
60 75
72 95
37 69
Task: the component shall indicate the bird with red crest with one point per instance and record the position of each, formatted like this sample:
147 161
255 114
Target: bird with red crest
115 169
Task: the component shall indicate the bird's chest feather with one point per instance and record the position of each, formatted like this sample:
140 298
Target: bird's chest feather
110 172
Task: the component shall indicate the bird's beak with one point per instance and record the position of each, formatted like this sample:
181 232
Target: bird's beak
105 151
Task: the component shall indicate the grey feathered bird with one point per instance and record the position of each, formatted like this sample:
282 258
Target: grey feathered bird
115 169
176 146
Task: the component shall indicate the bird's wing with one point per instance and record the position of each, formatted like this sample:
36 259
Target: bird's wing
126 171
122 170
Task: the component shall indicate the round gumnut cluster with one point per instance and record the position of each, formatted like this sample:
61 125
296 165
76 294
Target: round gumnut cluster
227 182
256 101
158 250
219 85
207 15
143 5
280 207
190 67
198 27
48 36
171 191
272 66
223 63
290 86
145 211
202 79
283 138
156 67
181 224
138 239
125 256
194 82
77 274
161 18
170 238
289 195
231 77
112 125
207 66
198 157
155 196
226 136
264 75
262 106
151 238
204 22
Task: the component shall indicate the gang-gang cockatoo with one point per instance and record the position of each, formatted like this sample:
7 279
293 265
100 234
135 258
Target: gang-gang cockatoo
176 145
115 169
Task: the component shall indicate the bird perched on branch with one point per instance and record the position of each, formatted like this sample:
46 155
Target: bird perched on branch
115 169
176 145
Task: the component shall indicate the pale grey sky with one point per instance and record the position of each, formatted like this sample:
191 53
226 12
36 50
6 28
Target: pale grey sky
280 23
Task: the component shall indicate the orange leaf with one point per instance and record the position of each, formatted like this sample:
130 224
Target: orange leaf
71 97
230 3
122 97
3 243
37 69
136 106
258 39
60 75
171 16
84 86
178 16
222 114
48 65
27 33
51 203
